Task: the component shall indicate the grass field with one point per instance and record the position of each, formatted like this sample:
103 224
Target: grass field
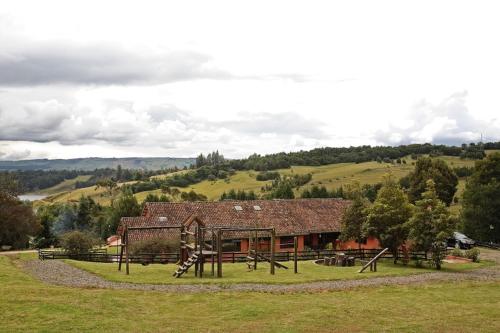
31 306
67 185
239 273
331 176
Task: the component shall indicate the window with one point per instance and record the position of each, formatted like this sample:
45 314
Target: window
257 208
286 242
238 208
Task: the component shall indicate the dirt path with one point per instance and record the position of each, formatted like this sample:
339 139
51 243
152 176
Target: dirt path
59 273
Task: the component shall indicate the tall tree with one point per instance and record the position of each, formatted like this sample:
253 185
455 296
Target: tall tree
125 205
431 224
354 218
436 169
17 221
119 173
481 200
388 215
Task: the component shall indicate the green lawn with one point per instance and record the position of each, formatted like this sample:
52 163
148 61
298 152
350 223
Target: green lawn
31 306
239 273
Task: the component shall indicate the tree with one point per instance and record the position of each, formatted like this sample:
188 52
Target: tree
283 190
388 215
436 169
119 173
75 242
431 224
108 184
125 205
9 184
481 200
46 237
354 218
83 213
17 221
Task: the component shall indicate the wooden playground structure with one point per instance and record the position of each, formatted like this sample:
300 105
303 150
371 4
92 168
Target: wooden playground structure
200 245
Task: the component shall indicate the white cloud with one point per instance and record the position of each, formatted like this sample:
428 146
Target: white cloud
165 79
449 122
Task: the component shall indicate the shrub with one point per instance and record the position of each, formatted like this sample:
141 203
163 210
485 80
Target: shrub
155 246
419 263
456 252
473 254
75 242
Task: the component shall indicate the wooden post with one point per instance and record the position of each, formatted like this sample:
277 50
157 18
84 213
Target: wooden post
219 253
196 245
273 236
183 250
255 246
121 256
127 259
213 251
295 246
202 245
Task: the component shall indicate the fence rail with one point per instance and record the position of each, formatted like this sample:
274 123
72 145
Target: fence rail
174 257
491 245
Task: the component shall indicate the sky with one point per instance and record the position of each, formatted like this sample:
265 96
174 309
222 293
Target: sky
177 78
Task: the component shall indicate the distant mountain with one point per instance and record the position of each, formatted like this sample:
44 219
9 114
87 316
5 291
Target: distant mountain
91 163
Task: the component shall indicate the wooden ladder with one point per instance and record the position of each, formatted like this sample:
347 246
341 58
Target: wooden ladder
183 268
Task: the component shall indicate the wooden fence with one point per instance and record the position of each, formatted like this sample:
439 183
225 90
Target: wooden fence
174 257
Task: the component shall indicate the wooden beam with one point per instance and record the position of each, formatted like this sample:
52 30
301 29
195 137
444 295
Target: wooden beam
214 248
127 259
273 236
219 253
121 257
295 246
373 261
255 247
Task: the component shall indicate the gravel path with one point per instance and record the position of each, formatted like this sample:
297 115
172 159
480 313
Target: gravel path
60 273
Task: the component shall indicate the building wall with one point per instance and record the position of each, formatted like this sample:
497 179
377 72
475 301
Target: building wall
371 243
264 246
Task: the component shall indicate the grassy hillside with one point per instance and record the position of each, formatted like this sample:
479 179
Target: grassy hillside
331 176
67 185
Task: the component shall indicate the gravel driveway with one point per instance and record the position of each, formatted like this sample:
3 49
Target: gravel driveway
59 273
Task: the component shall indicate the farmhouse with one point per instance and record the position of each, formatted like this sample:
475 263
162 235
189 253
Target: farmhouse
315 222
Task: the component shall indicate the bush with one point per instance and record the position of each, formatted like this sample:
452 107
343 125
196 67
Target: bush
473 254
75 242
456 252
155 246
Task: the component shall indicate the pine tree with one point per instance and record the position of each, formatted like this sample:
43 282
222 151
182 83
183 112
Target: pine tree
388 216
354 219
431 225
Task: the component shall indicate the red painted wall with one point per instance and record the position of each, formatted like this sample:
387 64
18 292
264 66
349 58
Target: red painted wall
371 243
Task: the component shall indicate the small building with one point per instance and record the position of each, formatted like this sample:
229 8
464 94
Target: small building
315 222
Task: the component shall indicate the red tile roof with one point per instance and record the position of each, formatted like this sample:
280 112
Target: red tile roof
288 217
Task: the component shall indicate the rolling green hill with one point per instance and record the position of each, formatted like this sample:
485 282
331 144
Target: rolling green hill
331 176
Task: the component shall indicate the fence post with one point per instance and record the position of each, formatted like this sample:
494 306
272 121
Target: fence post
233 257
295 246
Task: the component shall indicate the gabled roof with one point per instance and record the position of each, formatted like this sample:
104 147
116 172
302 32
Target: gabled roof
288 217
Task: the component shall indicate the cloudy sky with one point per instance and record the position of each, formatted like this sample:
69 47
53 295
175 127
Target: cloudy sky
158 78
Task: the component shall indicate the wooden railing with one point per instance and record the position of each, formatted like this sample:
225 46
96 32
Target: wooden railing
173 257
